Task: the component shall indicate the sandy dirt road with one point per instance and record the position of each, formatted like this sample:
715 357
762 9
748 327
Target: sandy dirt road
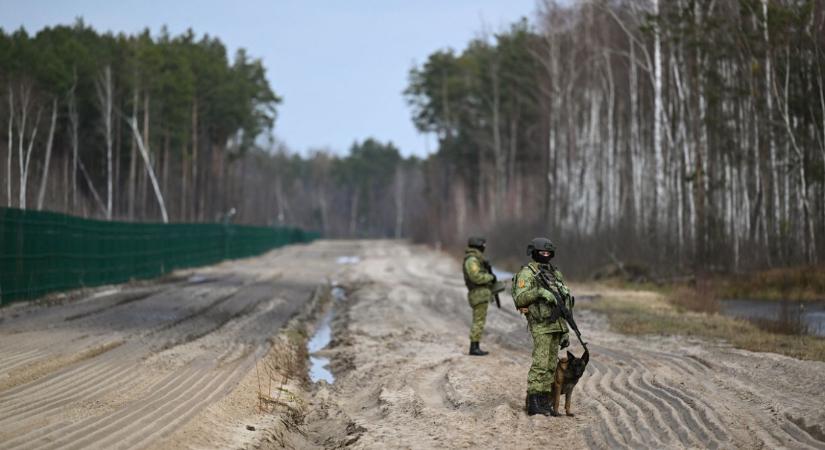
405 381
173 365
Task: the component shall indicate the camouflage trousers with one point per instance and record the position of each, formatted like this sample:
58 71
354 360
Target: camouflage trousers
545 358
479 318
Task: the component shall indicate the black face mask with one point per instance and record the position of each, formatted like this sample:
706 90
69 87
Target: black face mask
541 259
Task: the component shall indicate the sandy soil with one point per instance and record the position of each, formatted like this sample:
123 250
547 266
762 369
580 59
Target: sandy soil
181 364
404 379
171 363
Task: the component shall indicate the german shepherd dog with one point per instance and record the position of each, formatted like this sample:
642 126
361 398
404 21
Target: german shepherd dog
568 372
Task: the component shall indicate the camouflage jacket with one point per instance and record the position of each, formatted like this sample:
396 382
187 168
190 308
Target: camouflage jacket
476 277
529 293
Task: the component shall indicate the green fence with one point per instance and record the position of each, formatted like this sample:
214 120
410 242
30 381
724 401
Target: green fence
42 252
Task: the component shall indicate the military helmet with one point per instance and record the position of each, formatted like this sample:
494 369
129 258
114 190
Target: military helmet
541 244
476 242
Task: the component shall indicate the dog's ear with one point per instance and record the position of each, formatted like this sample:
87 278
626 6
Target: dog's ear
570 356
586 356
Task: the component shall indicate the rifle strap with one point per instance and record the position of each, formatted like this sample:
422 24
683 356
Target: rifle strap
555 315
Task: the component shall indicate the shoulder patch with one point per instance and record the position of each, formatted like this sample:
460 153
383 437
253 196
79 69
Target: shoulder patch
521 283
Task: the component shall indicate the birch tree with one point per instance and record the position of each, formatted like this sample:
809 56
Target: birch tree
144 153
44 178
105 98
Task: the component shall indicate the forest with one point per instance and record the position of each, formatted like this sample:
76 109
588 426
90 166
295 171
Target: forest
686 135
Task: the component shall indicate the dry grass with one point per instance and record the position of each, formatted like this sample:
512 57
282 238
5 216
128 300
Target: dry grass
647 312
806 283
802 283
285 361
698 298
281 375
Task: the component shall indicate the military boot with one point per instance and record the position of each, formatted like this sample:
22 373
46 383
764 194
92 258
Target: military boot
535 405
475 349
547 402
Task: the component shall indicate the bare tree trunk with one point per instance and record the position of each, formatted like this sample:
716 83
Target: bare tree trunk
553 153
184 180
66 187
460 202
144 152
353 218
117 203
104 96
42 194
399 201
511 155
25 98
658 170
26 159
768 122
611 200
282 200
73 128
498 153
820 82
133 162
91 187
145 140
322 203
165 166
202 188
11 146
683 93
807 239
194 157
635 166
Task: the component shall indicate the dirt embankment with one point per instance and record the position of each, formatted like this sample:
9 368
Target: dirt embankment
404 379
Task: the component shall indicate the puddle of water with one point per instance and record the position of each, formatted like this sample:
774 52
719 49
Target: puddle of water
780 316
319 365
319 370
323 334
198 279
338 293
348 260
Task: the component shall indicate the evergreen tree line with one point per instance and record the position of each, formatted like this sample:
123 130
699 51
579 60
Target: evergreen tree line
156 128
136 127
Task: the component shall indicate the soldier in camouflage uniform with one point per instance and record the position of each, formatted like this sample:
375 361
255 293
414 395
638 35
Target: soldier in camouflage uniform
549 333
479 281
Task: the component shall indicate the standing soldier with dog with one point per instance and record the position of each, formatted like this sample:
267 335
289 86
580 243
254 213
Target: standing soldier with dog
548 329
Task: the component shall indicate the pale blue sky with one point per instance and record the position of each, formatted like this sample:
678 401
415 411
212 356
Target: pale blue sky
339 65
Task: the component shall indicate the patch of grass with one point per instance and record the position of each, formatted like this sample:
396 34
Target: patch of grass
699 298
644 313
296 336
805 283
801 283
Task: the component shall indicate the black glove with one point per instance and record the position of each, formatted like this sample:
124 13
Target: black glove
565 341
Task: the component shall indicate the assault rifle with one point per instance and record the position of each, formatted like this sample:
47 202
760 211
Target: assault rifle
546 279
489 269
